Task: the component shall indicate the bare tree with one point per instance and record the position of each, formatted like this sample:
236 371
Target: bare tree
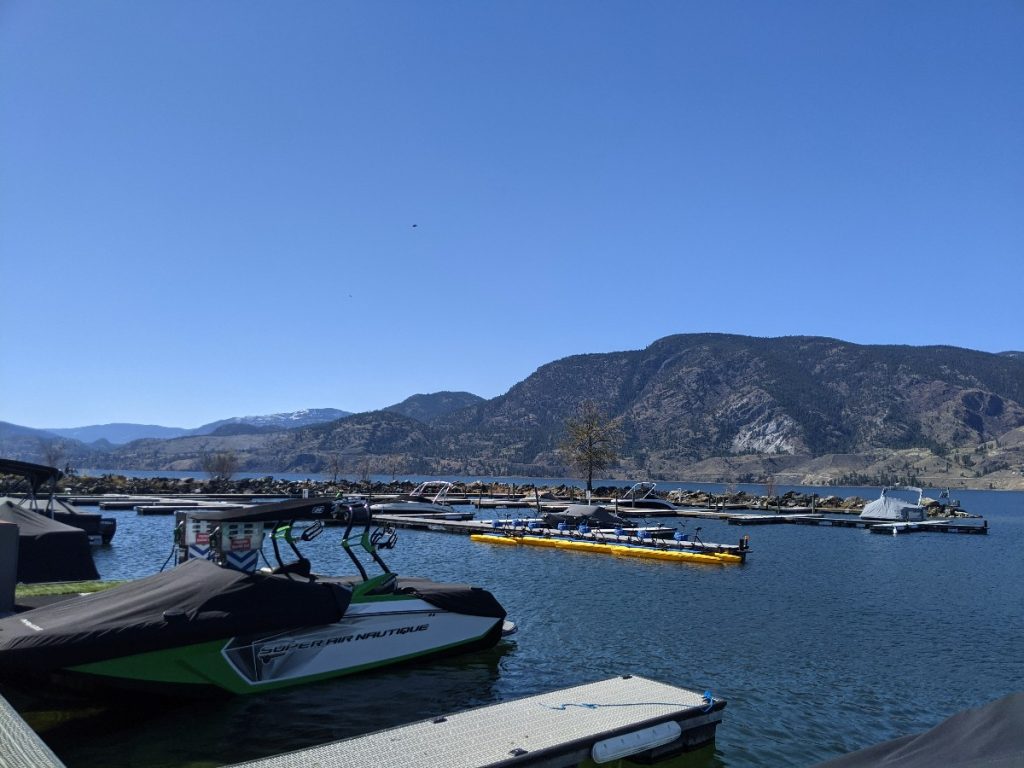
334 466
53 453
220 466
364 471
591 441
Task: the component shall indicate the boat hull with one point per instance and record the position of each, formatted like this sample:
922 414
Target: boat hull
368 637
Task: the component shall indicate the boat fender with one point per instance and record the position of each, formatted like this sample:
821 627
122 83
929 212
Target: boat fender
533 525
617 748
619 532
583 528
679 536
561 526
642 534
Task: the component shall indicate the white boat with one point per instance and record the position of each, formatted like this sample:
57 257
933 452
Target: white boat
430 498
639 497
890 508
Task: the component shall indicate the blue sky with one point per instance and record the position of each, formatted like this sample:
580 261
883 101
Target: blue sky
233 208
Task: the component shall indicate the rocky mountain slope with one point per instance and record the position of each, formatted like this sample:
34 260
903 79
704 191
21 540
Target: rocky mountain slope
698 406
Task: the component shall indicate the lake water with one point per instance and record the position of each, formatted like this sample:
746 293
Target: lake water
826 641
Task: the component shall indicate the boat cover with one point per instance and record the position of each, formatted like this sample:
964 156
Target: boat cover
48 550
988 736
194 603
892 508
593 515
458 598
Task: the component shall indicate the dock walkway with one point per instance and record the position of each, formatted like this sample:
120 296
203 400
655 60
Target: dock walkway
610 719
875 526
20 747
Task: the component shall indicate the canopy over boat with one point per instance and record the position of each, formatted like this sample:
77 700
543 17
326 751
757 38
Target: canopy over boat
322 508
35 474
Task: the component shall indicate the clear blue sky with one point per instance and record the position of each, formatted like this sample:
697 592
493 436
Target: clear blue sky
234 208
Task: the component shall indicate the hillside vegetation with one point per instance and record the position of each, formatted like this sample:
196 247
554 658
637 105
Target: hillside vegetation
704 407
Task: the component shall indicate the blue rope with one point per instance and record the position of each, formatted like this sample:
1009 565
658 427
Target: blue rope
710 700
584 705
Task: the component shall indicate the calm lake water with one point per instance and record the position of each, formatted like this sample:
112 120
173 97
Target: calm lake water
826 641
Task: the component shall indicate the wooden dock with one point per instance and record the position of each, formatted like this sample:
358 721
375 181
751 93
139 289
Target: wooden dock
952 525
628 716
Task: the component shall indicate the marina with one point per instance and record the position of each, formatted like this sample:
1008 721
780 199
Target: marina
610 720
681 626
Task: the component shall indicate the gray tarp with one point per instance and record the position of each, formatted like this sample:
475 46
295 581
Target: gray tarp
991 736
887 507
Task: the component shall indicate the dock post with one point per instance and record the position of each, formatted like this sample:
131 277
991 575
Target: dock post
8 566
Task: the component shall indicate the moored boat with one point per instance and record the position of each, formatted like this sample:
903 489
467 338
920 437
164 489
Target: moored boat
215 622
429 498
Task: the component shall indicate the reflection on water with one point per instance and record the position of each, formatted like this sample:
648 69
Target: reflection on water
154 733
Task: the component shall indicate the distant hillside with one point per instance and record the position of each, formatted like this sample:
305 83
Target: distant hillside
709 407
121 433
118 433
429 408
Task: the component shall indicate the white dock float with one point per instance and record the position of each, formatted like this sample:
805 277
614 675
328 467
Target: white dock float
605 721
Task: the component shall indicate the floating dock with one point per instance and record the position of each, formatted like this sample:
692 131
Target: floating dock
677 551
941 525
624 717
438 523
20 747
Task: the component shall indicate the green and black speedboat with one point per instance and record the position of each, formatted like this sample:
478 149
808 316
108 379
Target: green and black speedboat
216 622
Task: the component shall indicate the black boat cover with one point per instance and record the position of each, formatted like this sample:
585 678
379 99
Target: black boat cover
458 598
593 515
193 603
989 736
48 550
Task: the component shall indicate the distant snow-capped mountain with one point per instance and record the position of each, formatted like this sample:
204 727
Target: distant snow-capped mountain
121 433
303 418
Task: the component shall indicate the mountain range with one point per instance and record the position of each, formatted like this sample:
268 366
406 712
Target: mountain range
120 433
702 407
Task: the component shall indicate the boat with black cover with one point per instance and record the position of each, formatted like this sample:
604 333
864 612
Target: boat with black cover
28 484
590 515
215 622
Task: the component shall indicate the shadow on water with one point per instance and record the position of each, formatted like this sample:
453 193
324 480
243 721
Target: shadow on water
163 732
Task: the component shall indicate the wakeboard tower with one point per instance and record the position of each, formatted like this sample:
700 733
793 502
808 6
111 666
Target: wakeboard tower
216 621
